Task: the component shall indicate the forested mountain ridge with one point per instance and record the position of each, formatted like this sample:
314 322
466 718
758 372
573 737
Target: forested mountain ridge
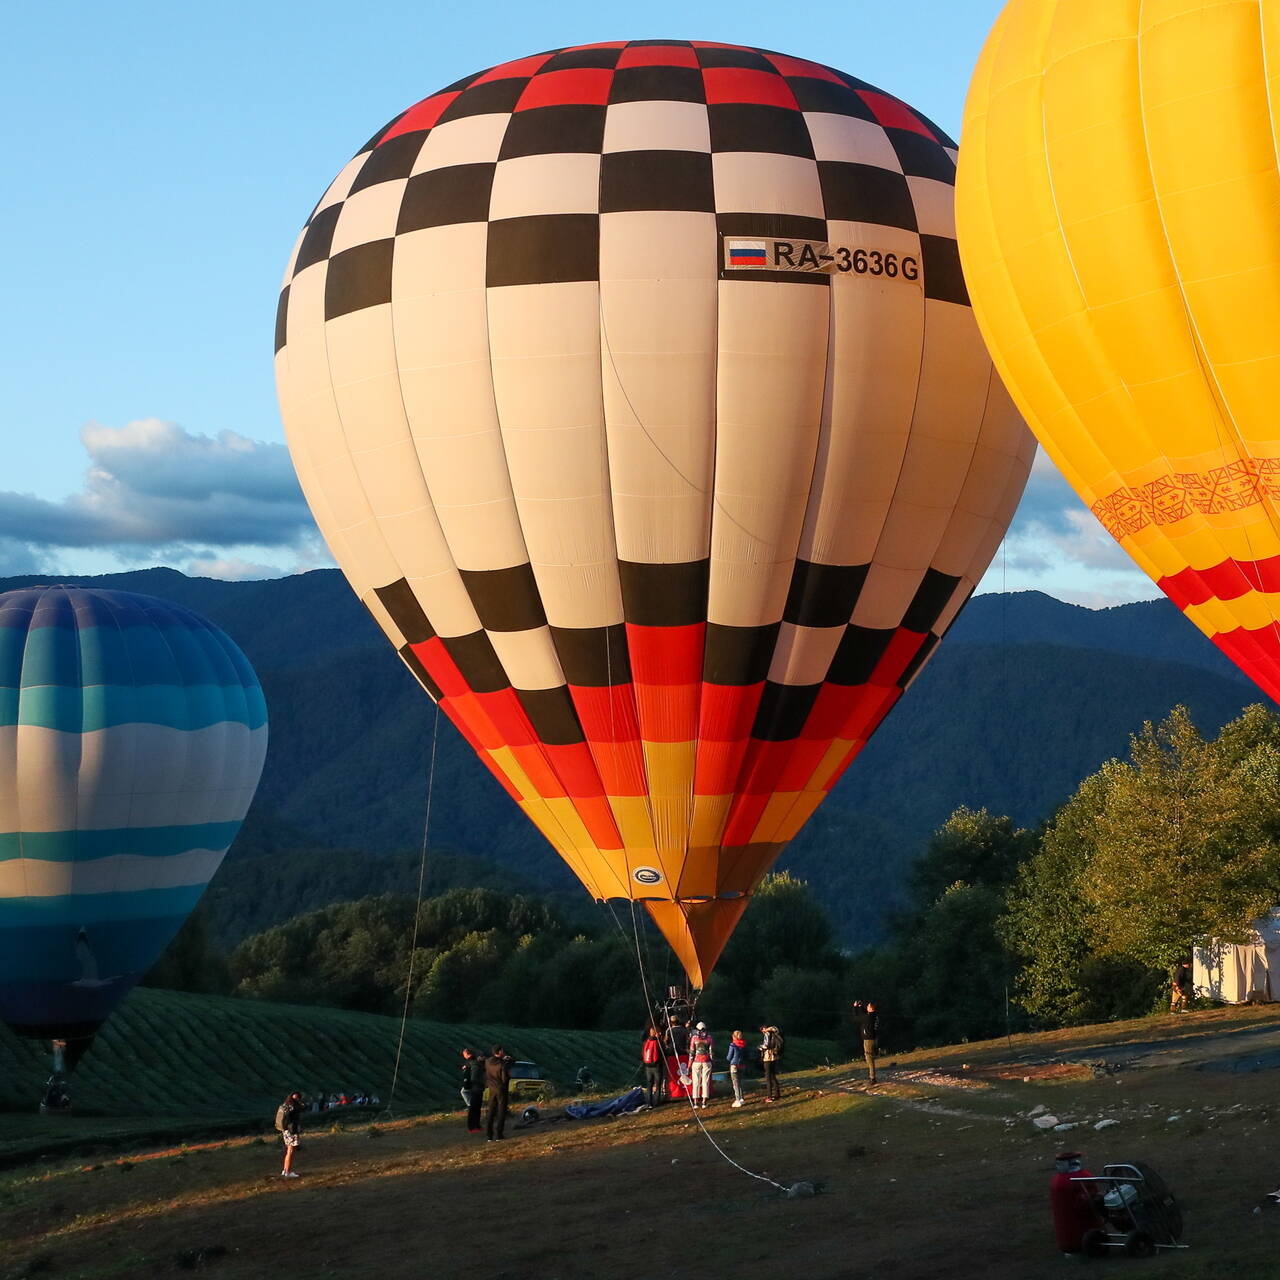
1025 697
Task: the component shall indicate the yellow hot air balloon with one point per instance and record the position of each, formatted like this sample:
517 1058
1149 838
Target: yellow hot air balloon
1118 210
635 389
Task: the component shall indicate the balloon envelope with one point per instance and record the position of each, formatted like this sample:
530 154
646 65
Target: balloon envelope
132 736
1117 213
636 390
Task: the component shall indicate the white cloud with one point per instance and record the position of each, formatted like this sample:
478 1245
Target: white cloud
231 569
16 557
154 491
1056 545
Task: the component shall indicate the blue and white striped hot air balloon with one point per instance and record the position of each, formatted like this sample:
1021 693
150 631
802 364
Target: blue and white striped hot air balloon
132 737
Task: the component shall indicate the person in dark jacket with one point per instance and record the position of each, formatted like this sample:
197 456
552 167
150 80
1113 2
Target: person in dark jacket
869 1027
770 1057
289 1123
677 1038
1183 986
472 1087
497 1078
651 1057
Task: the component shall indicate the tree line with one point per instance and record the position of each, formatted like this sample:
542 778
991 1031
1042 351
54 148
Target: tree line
1082 918
479 955
1003 928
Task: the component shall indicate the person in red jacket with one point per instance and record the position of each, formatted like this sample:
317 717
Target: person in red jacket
651 1057
737 1060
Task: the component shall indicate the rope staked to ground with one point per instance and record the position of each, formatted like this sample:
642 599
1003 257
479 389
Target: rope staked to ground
417 911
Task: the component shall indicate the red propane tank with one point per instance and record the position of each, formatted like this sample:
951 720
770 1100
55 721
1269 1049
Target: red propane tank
1074 1208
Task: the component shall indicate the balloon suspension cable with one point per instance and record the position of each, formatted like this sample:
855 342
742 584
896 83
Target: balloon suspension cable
688 1092
417 911
650 1007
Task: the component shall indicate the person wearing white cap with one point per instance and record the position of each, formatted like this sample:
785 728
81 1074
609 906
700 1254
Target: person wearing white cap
700 1047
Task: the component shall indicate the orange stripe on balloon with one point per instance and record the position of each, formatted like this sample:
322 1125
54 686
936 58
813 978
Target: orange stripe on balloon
473 724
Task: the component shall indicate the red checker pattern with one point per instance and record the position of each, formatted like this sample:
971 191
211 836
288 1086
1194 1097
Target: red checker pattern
799 67
894 114
665 55
514 70
422 115
742 84
578 86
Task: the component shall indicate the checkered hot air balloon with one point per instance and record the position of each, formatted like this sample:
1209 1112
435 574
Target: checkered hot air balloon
132 736
1118 216
636 390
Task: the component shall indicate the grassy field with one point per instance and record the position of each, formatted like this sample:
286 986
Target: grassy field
174 1065
938 1172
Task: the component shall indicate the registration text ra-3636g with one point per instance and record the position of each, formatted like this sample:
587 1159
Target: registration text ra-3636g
767 253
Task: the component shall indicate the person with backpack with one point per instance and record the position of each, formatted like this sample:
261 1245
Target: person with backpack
651 1058
472 1087
700 1055
289 1127
737 1059
497 1078
770 1057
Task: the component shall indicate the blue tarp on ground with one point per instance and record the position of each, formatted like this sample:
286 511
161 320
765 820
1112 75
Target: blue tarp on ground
629 1101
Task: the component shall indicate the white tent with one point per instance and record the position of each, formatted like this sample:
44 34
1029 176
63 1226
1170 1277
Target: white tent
1236 972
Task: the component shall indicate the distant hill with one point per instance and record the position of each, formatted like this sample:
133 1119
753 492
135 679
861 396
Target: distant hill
1025 697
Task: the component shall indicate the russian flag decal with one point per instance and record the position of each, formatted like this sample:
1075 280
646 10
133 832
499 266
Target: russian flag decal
747 253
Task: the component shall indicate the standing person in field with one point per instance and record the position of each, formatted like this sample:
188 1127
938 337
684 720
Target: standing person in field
289 1127
678 1039
700 1054
678 1054
1182 986
869 1027
472 1087
737 1059
497 1078
651 1057
770 1057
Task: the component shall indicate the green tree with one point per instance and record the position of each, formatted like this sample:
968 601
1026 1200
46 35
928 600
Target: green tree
784 925
943 972
1048 925
1180 841
972 847
959 971
1185 842
192 961
805 1002
458 976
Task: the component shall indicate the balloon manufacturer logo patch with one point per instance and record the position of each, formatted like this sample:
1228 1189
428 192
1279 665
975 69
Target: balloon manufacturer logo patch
647 875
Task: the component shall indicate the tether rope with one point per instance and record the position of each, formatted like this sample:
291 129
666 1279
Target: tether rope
417 911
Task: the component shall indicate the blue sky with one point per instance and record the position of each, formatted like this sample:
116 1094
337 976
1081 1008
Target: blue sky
166 156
